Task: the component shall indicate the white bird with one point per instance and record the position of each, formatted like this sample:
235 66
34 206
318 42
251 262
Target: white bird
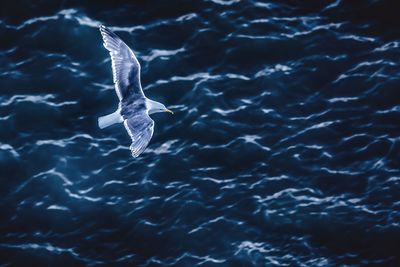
134 107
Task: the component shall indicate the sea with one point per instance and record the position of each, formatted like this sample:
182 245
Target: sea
284 149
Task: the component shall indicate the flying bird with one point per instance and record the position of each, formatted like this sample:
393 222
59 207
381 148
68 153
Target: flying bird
134 107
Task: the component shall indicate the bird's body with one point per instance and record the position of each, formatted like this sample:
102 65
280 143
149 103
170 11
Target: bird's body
134 107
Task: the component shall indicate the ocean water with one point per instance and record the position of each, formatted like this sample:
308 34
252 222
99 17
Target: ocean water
283 150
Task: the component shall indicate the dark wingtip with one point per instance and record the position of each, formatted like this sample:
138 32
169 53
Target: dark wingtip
104 28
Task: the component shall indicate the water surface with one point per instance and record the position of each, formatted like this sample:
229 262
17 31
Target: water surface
283 151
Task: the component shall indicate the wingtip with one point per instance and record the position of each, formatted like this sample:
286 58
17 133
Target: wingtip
102 28
134 153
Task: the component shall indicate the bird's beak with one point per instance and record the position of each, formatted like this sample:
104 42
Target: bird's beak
168 110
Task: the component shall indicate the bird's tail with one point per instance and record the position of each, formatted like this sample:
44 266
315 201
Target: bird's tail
110 119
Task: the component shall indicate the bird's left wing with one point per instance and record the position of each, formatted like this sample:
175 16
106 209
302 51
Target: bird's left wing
125 66
140 128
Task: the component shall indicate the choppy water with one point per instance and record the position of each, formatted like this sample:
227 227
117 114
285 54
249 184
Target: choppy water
283 151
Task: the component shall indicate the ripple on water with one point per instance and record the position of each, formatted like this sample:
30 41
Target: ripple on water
283 149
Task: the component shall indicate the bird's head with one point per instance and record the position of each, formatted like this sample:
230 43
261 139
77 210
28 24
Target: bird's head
155 107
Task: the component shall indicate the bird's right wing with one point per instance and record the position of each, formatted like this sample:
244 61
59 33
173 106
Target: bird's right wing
140 128
125 66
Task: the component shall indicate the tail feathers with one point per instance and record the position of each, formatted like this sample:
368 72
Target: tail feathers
110 119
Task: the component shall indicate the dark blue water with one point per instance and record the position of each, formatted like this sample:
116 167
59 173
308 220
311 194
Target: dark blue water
283 151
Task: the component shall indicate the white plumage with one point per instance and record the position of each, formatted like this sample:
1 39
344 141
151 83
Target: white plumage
134 107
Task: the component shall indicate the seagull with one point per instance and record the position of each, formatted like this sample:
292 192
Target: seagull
134 107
